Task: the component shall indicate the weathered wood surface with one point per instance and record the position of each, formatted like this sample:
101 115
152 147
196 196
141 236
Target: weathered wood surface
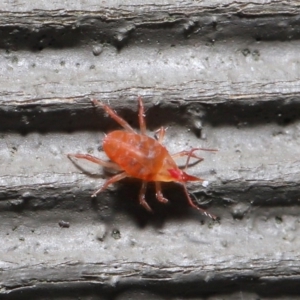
219 74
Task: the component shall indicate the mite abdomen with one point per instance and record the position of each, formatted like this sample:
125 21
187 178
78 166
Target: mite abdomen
138 155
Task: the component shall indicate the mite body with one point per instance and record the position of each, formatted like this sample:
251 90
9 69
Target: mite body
140 156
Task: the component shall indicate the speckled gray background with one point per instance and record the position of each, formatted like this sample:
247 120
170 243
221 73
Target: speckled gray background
219 74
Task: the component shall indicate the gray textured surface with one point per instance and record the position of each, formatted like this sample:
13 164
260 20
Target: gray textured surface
218 74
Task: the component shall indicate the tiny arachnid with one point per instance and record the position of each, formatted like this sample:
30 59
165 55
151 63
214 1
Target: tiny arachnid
140 156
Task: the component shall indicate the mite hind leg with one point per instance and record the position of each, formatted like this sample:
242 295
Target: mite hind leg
160 197
142 116
142 197
113 115
103 163
110 181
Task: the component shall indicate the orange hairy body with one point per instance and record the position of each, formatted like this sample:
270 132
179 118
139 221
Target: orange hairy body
140 156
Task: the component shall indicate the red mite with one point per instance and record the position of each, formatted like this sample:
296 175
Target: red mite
140 156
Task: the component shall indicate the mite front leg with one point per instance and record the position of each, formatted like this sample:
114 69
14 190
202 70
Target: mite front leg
142 196
103 163
160 197
113 115
203 211
190 153
142 116
109 182
186 152
160 134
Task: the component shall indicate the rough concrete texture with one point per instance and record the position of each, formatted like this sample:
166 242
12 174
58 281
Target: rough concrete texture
218 74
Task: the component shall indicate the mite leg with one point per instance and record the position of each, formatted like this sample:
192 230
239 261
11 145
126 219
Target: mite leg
142 116
186 152
203 211
160 134
96 160
191 154
160 197
113 115
109 182
142 196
